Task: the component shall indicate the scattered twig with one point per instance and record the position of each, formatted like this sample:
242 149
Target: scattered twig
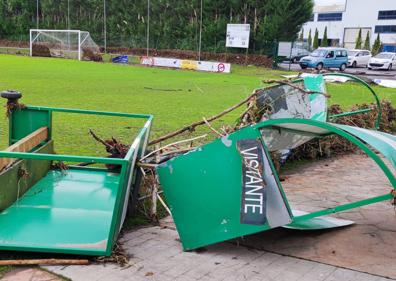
118 256
146 165
163 204
192 126
172 144
148 195
212 129
163 90
154 196
115 148
99 139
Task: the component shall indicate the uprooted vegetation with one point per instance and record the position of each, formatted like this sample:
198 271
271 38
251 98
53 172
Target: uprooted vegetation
335 145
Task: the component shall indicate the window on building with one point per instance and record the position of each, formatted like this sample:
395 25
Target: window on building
387 15
385 29
330 17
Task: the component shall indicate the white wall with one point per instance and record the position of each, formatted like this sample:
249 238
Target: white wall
358 13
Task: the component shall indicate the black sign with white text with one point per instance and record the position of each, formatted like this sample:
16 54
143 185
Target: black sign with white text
253 206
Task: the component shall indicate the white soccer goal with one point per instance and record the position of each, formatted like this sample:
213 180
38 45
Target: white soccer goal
72 44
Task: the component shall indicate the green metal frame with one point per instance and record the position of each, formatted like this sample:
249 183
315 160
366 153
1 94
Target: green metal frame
365 148
377 100
203 187
127 173
350 113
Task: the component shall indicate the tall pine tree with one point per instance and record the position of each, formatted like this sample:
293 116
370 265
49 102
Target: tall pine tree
310 39
358 44
377 45
302 35
316 39
367 42
324 42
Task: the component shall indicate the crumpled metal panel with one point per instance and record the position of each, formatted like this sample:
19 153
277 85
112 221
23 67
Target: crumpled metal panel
204 191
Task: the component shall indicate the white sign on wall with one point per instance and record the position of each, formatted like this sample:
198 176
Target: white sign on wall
238 35
284 49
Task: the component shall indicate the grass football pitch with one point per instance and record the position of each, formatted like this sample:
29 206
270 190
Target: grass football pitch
174 97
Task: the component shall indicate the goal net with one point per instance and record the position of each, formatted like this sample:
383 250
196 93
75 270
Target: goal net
71 44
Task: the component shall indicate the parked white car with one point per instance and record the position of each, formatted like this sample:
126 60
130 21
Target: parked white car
384 60
358 58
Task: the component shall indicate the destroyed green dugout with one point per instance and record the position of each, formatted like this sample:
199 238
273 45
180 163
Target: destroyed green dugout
77 211
215 193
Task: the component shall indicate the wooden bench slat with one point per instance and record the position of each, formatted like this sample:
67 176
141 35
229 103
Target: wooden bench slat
26 144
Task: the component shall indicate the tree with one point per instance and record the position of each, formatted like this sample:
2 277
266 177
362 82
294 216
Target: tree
324 42
309 39
316 39
174 24
367 42
302 35
359 40
377 45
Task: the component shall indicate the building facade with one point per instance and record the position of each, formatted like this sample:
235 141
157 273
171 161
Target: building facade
344 19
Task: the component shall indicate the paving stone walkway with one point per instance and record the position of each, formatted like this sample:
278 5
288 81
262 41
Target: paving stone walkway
368 245
30 274
157 255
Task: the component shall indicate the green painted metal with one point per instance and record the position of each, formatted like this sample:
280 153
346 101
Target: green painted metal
64 212
383 142
23 122
335 116
79 211
357 79
331 128
203 187
318 223
318 102
203 190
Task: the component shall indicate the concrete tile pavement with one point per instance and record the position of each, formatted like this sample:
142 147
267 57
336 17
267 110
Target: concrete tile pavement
157 255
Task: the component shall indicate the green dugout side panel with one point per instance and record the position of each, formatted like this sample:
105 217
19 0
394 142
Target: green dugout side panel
79 210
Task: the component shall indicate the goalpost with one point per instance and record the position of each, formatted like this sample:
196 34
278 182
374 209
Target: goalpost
72 44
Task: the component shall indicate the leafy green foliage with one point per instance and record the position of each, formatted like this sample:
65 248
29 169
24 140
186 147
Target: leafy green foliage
367 42
358 44
310 39
174 24
324 42
316 39
377 45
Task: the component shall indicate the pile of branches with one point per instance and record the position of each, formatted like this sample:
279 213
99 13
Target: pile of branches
335 145
89 54
114 148
40 50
